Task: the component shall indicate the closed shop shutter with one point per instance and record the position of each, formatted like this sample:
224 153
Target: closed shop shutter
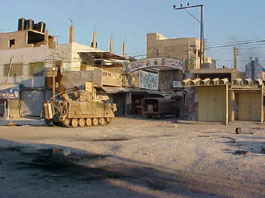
32 103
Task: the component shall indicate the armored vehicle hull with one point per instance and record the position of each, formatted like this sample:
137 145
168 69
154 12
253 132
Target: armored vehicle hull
84 111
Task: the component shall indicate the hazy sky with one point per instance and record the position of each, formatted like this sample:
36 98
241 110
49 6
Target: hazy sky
226 22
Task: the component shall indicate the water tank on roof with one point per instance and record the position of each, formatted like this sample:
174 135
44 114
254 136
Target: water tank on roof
21 23
41 27
35 27
29 24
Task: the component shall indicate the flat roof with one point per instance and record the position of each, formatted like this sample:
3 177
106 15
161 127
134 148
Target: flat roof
214 71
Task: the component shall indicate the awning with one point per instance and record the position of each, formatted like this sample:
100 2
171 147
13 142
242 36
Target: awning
113 90
148 91
9 91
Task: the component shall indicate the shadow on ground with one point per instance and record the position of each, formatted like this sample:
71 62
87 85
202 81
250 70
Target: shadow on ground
72 168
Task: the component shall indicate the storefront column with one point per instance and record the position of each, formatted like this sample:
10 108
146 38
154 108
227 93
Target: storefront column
226 105
232 106
6 110
262 107
128 103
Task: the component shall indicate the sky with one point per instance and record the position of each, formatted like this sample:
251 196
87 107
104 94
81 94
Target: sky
226 23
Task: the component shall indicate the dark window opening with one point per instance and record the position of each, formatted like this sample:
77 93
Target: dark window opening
12 43
34 37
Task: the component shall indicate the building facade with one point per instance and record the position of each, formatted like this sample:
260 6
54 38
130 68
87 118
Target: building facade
254 70
186 49
29 57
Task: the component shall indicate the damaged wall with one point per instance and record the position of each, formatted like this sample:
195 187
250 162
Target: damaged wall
166 79
78 79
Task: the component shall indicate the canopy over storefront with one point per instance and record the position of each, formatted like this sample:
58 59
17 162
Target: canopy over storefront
9 91
157 64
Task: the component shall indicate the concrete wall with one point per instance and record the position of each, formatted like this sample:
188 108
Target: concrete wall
211 104
13 106
190 104
20 40
131 80
78 79
180 48
25 56
111 78
166 79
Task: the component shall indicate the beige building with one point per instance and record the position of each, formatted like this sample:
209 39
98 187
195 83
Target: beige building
27 57
224 100
187 49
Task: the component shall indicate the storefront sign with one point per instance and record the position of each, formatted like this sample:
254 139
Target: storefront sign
176 84
156 62
148 80
73 66
9 92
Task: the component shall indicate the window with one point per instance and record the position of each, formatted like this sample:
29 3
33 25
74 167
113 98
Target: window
12 43
13 70
36 69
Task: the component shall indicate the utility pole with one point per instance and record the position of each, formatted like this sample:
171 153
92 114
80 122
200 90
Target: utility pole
235 58
53 78
201 26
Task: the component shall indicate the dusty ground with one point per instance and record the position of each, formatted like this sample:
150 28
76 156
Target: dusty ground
133 157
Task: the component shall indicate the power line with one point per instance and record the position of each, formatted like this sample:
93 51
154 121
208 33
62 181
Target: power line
238 44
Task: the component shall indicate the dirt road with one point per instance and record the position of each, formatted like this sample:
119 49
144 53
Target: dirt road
133 157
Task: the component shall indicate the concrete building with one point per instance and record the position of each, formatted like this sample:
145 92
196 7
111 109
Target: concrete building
190 102
29 57
230 74
221 100
254 70
186 49
151 77
23 56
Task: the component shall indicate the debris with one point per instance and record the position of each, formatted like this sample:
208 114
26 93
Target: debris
258 128
60 151
238 130
204 135
11 124
262 150
241 152
233 140
111 139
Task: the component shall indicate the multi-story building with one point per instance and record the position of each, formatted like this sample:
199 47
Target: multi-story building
186 49
29 57
254 70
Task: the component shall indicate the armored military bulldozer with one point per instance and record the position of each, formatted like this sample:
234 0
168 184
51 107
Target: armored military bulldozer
79 108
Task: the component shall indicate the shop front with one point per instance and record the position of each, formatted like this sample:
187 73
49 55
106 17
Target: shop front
9 101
